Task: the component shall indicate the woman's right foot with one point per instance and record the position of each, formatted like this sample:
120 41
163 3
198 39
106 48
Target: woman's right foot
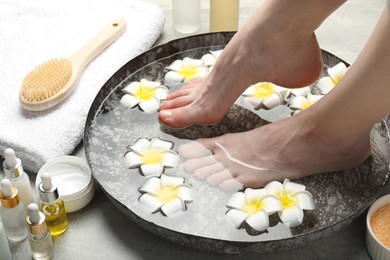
286 59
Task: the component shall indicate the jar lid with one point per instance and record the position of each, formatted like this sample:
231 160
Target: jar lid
71 174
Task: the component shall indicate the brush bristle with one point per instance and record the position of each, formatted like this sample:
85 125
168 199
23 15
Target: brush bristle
46 80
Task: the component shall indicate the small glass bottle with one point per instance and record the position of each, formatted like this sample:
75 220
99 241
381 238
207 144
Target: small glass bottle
12 212
39 238
186 15
224 15
13 170
5 251
52 205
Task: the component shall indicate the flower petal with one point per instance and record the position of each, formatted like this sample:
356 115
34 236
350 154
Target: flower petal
253 196
274 187
151 186
271 204
290 186
161 145
237 217
185 193
337 72
236 201
161 92
301 91
140 146
173 79
273 100
150 106
255 102
151 202
131 88
292 216
129 101
325 85
175 65
201 73
153 84
132 160
298 102
171 159
173 206
189 62
153 169
171 181
258 221
313 98
208 59
217 53
305 200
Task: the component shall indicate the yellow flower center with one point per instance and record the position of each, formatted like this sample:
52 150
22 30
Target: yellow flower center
167 194
263 90
252 207
287 200
189 71
145 93
152 156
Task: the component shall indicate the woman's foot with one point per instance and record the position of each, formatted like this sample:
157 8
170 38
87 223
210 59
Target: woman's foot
292 148
286 59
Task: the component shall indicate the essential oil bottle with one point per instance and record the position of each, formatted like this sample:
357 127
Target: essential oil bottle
52 206
39 238
13 170
12 212
5 251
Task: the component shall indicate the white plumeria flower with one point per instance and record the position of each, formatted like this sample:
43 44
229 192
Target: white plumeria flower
252 207
294 199
211 58
147 95
168 194
335 73
182 71
300 103
300 91
265 94
151 156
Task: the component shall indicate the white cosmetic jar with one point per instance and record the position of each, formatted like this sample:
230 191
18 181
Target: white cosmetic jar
377 250
73 178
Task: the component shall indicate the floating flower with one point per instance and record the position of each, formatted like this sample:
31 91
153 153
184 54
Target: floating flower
211 58
181 71
144 94
151 157
335 73
294 199
167 194
252 207
300 91
300 103
265 94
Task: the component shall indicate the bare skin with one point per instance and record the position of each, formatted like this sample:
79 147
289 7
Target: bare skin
278 56
334 134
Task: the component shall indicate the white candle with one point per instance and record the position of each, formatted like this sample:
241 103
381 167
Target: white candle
186 15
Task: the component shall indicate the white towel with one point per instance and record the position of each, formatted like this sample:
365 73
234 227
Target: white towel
32 32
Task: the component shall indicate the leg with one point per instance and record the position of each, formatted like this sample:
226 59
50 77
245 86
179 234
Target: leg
276 43
334 134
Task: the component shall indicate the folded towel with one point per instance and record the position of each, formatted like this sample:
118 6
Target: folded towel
32 32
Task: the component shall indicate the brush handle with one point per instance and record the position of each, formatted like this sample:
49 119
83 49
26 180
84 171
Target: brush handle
104 38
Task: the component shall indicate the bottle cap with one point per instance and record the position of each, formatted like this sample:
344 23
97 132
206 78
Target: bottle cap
48 192
35 220
8 195
12 165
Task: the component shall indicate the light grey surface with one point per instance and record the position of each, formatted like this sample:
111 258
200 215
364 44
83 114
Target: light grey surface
101 231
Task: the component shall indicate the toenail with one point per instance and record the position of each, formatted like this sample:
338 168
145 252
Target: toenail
165 114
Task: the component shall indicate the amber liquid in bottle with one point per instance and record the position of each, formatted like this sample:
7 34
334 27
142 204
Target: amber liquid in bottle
56 218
